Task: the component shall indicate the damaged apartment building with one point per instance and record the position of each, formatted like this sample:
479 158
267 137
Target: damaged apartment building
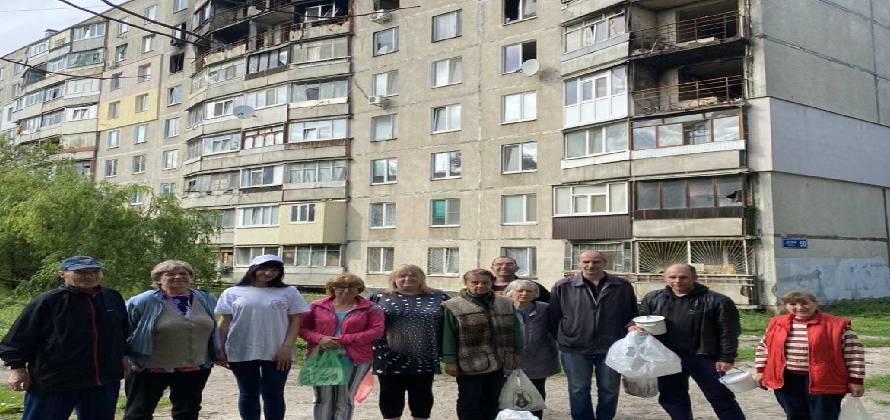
749 138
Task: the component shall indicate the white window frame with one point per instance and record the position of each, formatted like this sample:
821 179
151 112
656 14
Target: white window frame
180 5
453 32
452 71
268 216
304 213
112 139
379 48
148 43
318 130
312 251
226 105
174 95
110 168
114 109
452 114
232 139
143 73
120 53
448 156
605 190
387 212
139 134
169 159
452 212
529 211
319 169
167 188
142 103
385 84
137 198
528 107
124 26
507 69
326 90
524 149
598 134
151 12
521 5
393 127
448 256
276 171
252 251
594 109
384 265
528 265
171 127
266 97
89 31
138 164
388 176
586 31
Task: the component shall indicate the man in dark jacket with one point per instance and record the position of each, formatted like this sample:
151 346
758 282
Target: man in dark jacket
703 329
504 269
66 349
587 314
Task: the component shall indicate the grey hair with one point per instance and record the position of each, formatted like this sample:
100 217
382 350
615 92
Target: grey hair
516 284
167 266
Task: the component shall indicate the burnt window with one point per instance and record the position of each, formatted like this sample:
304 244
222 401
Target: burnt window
386 4
177 62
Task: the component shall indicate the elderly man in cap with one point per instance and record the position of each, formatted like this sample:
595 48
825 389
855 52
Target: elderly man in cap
66 349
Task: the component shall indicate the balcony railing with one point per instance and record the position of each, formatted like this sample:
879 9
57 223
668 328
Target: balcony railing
690 95
704 29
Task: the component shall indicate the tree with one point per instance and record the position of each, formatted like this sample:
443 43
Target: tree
48 211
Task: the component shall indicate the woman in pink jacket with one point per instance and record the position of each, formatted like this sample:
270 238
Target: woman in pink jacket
348 323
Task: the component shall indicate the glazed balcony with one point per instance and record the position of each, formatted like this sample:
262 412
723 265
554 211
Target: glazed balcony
689 96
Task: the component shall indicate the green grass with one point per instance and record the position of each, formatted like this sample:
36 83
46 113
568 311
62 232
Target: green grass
880 402
870 318
878 382
745 354
11 402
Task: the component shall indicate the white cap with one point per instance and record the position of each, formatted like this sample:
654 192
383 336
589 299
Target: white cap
264 259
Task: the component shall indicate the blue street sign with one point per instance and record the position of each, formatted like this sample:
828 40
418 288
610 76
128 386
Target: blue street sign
795 243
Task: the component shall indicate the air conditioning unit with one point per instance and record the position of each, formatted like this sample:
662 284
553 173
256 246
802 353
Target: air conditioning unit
380 16
381 101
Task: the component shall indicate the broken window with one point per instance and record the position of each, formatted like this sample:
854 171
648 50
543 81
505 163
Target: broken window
687 130
691 193
516 54
177 62
515 10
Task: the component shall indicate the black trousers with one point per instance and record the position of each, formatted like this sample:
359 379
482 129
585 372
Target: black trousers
144 389
539 385
799 404
477 395
392 395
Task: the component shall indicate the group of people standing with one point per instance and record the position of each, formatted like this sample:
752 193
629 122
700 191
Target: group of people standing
70 347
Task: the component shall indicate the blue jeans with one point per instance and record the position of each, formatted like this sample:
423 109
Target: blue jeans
578 369
673 390
94 403
255 378
799 404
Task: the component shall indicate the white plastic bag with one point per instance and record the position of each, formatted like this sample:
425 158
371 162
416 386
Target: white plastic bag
854 409
640 355
641 387
515 415
520 394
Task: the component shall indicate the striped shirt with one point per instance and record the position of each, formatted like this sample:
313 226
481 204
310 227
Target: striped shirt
797 352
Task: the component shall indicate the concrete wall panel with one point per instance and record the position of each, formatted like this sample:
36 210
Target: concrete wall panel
835 270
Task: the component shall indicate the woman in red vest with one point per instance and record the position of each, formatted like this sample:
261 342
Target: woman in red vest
810 359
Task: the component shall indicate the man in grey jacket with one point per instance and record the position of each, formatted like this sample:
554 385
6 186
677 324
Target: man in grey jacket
589 312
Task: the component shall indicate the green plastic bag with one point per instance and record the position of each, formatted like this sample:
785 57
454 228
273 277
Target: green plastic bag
322 368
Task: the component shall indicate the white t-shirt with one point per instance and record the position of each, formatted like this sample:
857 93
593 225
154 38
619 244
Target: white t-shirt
259 319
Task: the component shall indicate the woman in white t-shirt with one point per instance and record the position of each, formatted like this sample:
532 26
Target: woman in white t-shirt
260 323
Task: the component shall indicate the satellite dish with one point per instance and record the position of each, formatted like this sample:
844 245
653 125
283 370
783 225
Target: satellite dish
530 67
243 111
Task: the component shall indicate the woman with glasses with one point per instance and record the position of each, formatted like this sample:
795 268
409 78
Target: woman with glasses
348 324
259 326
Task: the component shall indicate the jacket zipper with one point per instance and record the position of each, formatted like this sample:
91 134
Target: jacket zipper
95 341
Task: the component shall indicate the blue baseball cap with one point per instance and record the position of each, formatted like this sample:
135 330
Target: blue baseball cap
262 259
79 262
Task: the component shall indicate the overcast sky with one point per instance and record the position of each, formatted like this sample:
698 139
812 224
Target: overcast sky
24 21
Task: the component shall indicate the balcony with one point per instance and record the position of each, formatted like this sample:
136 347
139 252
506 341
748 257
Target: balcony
689 96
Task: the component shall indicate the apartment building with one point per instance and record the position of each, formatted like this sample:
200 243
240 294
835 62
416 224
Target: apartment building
734 135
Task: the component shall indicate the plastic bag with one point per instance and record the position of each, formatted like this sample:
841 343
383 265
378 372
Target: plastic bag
854 409
520 394
322 368
641 387
640 355
364 388
515 415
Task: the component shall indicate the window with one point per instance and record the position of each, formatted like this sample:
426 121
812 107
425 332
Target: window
302 213
80 113
384 171
520 157
312 255
445 165
516 10
596 97
94 30
113 139
174 95
115 82
147 43
618 255
591 200
519 107
151 12
258 216
110 168
691 193
322 171
317 130
325 49
139 133
142 103
386 41
516 54
443 261
268 60
261 177
169 159
445 212
202 15
518 209
223 72
86 58
385 84
386 4
384 127
322 12
446 118
710 257
594 31
37 49
123 26
266 97
446 72
53 118
138 197
120 53
177 62
179 5
2 74
79 87
171 127
221 143
225 218
57 64
138 164
447 26
525 258
596 141
243 255
33 98
318 91
382 215
263 137
687 130
380 260
167 188
144 73
221 107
